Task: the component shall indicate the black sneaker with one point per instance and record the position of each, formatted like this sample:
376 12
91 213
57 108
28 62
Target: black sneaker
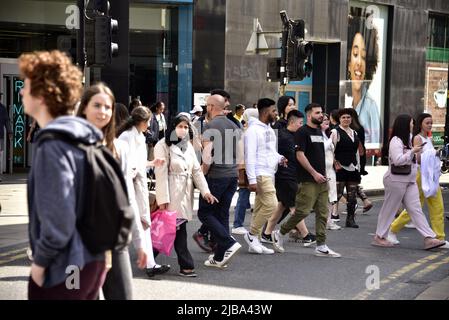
189 274
266 238
308 240
335 218
151 272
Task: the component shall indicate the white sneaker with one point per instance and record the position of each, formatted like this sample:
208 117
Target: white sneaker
277 241
265 250
410 225
254 246
332 225
231 252
239 231
211 257
392 238
446 246
214 264
324 251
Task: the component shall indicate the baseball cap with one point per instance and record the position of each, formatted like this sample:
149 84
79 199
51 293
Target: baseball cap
197 109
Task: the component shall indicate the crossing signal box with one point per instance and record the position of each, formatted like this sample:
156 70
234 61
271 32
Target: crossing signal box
298 52
99 47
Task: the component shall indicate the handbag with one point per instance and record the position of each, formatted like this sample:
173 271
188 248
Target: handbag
401 170
243 179
163 230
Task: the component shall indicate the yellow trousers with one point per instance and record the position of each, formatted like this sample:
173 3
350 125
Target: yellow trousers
436 212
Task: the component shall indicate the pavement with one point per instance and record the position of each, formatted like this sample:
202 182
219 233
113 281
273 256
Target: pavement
420 286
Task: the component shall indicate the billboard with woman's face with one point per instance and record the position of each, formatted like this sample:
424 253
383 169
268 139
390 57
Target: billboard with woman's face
367 38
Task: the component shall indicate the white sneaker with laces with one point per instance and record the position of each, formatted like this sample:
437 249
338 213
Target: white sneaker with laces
277 241
214 264
231 252
332 225
254 246
324 251
393 238
239 231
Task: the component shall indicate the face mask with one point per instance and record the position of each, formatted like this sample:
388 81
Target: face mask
181 132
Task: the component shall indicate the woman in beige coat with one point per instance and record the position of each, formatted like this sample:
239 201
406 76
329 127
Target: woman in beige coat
175 184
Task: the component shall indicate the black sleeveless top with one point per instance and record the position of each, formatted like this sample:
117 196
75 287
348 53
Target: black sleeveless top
346 149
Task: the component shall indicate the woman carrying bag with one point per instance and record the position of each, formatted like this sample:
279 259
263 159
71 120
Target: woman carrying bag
401 188
175 184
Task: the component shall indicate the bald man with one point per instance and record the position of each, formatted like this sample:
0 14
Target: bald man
221 138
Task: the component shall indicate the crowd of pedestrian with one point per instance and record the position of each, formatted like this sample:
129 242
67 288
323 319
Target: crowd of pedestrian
296 164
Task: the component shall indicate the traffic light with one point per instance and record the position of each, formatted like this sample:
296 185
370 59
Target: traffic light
299 52
99 29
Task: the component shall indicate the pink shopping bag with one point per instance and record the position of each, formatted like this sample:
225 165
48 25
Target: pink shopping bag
163 230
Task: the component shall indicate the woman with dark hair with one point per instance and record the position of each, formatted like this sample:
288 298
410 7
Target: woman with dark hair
357 127
121 114
427 173
134 104
401 188
347 163
132 133
363 57
285 105
158 113
176 180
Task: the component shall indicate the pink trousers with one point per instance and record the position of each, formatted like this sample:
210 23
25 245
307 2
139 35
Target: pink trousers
406 193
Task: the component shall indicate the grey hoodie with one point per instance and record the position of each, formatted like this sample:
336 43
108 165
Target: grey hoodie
54 196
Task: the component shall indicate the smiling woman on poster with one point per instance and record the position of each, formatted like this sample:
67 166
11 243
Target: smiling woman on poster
363 59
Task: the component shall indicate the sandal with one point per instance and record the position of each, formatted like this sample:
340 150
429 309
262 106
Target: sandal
431 243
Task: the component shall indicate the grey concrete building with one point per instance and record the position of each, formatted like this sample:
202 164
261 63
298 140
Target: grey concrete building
408 66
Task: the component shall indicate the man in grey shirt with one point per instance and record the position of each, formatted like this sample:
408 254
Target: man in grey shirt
220 158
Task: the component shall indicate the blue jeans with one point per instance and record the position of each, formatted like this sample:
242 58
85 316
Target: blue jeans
216 216
241 206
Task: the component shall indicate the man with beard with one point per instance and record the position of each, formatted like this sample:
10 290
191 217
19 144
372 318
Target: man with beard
313 190
262 159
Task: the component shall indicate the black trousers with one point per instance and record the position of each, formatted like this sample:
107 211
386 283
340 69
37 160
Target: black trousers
118 283
185 259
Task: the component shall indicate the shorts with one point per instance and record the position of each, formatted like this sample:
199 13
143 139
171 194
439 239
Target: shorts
286 192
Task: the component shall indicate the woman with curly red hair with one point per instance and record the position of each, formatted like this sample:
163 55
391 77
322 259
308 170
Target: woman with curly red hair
52 87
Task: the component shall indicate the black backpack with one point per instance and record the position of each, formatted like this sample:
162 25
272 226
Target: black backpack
106 217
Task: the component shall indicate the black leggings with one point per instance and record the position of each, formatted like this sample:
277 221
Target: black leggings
351 194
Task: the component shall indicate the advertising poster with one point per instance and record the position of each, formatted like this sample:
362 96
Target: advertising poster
366 59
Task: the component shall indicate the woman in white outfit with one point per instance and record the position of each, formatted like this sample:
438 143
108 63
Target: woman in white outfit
132 133
329 149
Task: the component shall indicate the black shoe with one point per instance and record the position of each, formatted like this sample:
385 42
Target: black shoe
350 223
189 274
308 240
335 218
151 272
266 238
